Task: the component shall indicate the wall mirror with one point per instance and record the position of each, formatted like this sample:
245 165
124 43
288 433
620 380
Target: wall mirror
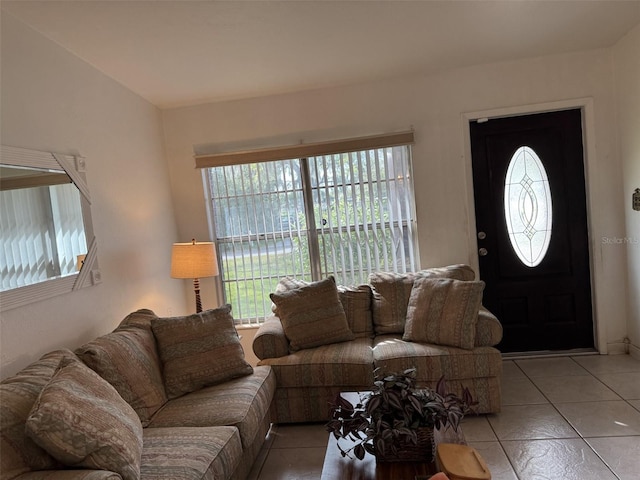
47 245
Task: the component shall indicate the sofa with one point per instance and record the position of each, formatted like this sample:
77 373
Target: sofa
432 320
157 398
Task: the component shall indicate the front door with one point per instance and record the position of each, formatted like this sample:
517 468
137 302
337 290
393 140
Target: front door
531 221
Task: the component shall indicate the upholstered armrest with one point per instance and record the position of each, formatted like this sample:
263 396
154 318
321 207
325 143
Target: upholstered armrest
488 329
69 475
270 340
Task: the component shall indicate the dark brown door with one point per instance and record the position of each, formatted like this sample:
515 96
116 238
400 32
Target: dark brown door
531 221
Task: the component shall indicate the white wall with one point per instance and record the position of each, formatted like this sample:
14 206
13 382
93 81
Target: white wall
627 76
434 106
53 101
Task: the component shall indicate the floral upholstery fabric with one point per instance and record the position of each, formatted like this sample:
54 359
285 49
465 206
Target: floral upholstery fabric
82 421
242 402
199 350
128 360
190 453
443 311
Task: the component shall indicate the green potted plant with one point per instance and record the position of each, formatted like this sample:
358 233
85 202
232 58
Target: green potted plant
395 421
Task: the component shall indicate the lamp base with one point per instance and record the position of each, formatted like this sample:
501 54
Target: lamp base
196 288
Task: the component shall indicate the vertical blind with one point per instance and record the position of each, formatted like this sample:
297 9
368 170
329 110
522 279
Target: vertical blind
42 234
342 214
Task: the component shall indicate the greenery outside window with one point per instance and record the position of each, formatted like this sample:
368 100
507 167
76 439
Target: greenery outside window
342 214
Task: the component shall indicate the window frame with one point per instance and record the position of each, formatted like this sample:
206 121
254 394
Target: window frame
313 230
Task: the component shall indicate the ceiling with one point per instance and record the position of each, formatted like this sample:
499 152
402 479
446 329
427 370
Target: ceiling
176 53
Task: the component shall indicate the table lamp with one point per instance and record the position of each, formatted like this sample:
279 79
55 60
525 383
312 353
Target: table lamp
194 260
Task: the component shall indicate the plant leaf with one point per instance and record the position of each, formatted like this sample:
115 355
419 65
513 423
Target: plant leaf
359 451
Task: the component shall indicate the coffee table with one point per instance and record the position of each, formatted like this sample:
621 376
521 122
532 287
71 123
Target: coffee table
337 467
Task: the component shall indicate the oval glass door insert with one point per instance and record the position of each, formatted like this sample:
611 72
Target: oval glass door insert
527 206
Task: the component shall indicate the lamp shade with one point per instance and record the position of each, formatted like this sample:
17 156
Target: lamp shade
193 260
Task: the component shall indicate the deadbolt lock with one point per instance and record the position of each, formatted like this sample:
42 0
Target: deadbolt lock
483 252
482 235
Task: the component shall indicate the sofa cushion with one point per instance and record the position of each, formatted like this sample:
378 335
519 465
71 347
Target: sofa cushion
312 315
479 369
242 402
347 363
309 404
488 329
128 360
82 421
356 302
139 318
391 293
18 393
270 340
392 354
189 453
199 350
443 311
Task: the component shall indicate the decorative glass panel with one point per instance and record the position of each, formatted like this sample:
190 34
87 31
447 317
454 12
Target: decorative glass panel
527 206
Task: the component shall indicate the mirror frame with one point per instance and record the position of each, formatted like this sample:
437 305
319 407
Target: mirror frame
89 274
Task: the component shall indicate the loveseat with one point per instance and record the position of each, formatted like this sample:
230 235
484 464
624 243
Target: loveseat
158 398
432 320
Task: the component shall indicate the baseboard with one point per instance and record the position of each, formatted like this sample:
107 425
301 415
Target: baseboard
549 353
617 348
634 351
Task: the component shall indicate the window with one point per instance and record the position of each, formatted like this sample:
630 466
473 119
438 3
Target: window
527 206
341 214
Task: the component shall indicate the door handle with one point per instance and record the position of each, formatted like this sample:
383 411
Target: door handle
483 252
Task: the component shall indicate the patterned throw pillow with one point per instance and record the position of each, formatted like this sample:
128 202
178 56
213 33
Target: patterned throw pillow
391 292
140 318
312 315
444 312
80 420
356 302
128 360
199 350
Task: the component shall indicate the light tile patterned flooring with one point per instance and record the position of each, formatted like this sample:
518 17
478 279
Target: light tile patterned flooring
563 418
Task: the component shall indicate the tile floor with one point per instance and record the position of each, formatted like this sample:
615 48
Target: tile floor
563 418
